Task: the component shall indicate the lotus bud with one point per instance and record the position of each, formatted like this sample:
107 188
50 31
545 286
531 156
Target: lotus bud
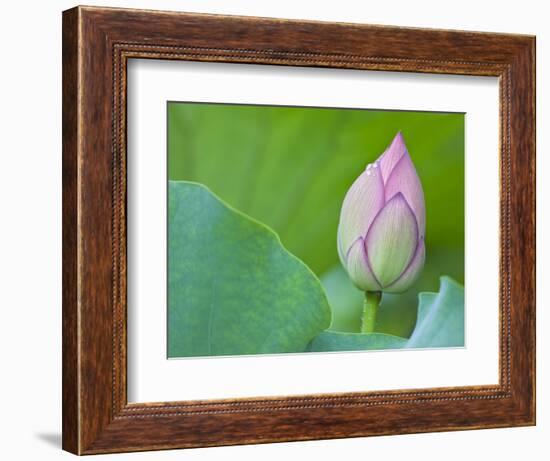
382 224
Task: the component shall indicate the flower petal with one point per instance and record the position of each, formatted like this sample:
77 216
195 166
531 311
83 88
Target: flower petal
358 269
404 179
411 273
362 203
391 156
392 240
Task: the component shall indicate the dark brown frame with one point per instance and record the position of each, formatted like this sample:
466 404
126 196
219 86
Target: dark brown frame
97 43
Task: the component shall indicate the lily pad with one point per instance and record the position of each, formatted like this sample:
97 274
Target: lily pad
233 289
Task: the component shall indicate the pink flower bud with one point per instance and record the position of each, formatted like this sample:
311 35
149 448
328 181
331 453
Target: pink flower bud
382 224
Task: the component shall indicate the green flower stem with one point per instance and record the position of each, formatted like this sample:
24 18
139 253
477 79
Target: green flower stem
370 309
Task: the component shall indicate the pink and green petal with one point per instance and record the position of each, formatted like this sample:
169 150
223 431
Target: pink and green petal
363 201
404 179
392 240
411 273
358 267
391 156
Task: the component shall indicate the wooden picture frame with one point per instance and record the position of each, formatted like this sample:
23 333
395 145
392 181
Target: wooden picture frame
97 44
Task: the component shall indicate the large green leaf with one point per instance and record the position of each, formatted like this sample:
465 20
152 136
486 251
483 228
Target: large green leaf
440 317
440 323
233 289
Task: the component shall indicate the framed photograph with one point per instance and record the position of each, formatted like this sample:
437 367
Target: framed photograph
282 230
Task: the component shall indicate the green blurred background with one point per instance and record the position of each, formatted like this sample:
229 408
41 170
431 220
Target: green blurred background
290 168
